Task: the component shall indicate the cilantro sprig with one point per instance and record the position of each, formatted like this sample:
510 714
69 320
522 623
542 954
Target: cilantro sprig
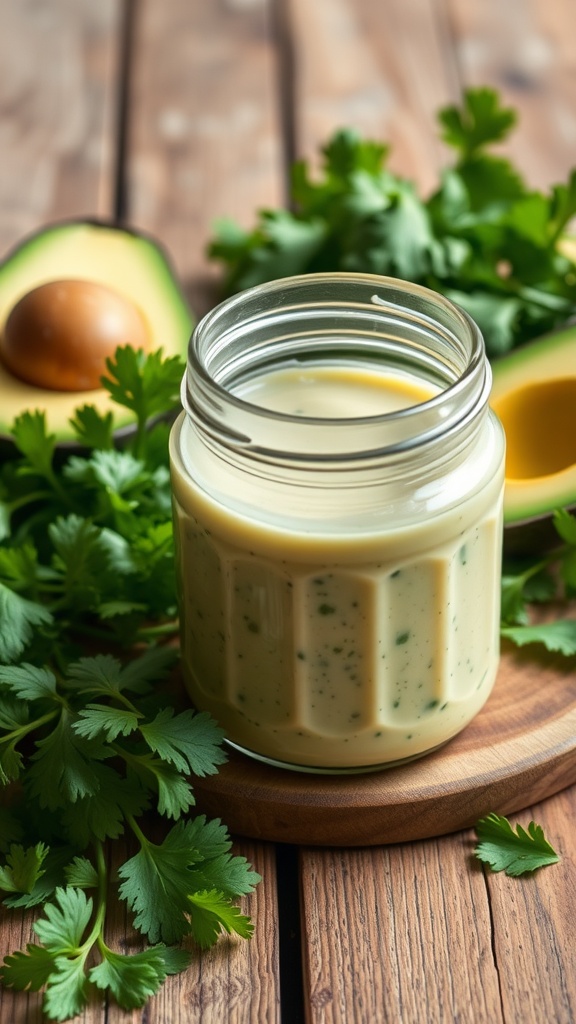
83 539
548 577
514 852
98 747
484 237
103 755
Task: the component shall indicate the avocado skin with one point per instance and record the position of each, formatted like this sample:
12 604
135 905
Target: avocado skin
125 258
528 525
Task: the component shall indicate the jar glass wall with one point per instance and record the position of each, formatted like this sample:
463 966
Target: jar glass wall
337 479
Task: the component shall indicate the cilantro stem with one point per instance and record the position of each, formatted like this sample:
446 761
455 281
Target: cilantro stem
102 872
97 930
139 438
143 841
533 570
28 499
57 489
23 730
151 632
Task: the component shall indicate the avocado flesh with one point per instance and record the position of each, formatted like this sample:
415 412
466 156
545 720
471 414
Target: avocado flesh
534 395
125 260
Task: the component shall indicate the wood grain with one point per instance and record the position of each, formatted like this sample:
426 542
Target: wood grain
58 88
524 49
520 748
236 981
403 933
533 924
398 934
204 139
382 69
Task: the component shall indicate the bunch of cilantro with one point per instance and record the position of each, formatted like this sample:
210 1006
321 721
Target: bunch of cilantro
547 577
97 747
484 238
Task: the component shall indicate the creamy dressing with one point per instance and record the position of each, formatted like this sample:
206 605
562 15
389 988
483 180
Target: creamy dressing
335 392
337 649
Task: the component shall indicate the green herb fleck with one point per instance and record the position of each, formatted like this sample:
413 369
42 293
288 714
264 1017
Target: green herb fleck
326 609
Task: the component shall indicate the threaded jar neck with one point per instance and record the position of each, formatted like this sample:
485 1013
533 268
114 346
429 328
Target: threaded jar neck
327 319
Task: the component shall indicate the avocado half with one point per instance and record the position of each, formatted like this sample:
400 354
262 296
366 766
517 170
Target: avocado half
534 396
125 260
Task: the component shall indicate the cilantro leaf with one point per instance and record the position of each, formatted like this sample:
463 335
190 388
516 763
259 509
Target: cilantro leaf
19 616
156 884
514 852
28 682
23 867
81 874
93 428
67 988
64 767
565 525
211 913
11 762
32 438
133 978
191 742
29 970
147 384
65 920
159 880
104 675
98 720
521 584
496 315
555 636
562 207
175 794
102 814
80 559
480 120
47 880
60 962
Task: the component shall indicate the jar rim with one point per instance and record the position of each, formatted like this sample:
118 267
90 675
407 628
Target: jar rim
246 332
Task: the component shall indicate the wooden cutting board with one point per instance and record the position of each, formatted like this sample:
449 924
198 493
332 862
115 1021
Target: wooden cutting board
520 749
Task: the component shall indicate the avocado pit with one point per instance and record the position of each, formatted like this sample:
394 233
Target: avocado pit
59 335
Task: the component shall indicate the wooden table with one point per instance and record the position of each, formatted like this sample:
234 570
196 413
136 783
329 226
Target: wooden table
167 114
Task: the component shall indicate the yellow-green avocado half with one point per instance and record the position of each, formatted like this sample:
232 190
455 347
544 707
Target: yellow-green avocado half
534 396
129 262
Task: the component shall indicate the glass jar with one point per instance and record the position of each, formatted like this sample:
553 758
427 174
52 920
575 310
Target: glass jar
337 479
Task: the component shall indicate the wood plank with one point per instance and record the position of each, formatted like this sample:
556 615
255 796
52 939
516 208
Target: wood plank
204 137
57 112
424 931
386 69
526 51
398 934
236 982
533 924
383 69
